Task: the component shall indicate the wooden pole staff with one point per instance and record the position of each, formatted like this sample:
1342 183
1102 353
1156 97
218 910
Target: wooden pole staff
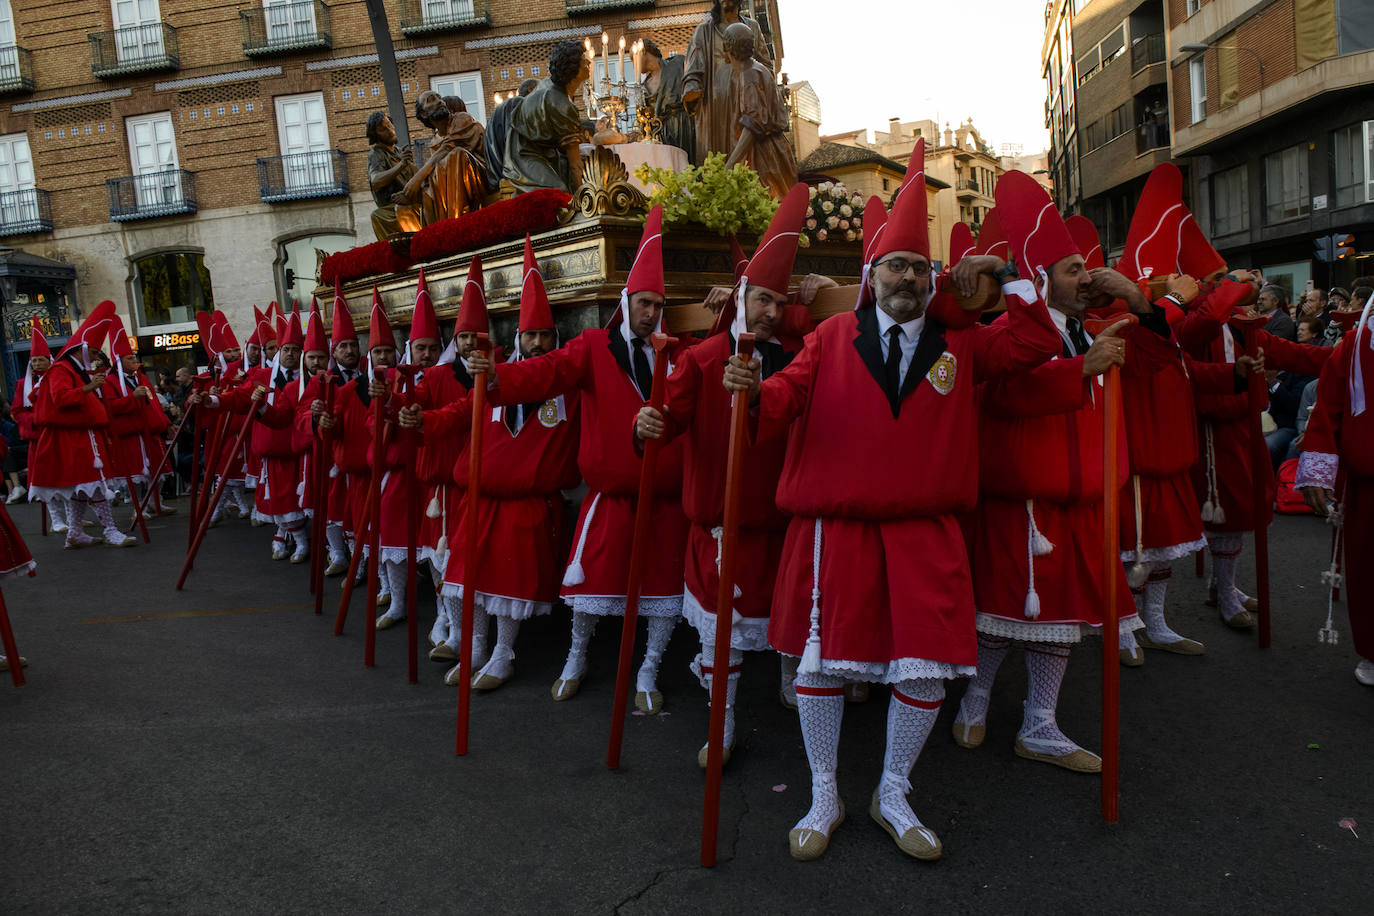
471 551
409 445
638 553
374 533
215 438
1259 470
11 649
162 463
203 524
725 605
194 494
321 520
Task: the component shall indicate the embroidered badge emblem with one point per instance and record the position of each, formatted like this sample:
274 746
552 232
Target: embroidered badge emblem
548 414
941 375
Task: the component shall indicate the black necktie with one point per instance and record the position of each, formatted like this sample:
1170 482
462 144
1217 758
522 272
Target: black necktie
892 369
644 376
1080 340
770 356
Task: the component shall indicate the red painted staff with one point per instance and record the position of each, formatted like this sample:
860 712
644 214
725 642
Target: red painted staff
11 648
1111 572
1259 462
321 520
162 463
203 523
409 445
725 618
374 513
471 551
638 550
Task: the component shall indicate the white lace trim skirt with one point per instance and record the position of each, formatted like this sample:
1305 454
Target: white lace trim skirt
614 605
1063 633
501 605
1165 554
749 634
397 555
894 672
95 489
23 569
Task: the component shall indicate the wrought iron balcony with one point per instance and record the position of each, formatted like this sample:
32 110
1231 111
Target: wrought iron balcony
164 193
16 70
421 17
574 7
23 212
302 175
281 28
1147 50
136 49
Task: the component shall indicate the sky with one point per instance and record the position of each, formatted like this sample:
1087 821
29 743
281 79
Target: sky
960 58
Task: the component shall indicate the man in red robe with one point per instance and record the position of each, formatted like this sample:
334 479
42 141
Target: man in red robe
1337 463
135 414
612 370
236 467
874 580
25 396
529 456
70 457
697 407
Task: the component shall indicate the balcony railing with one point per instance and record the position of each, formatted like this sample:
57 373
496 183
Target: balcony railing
164 193
574 7
301 175
1152 134
23 212
419 17
136 49
1146 51
301 25
16 70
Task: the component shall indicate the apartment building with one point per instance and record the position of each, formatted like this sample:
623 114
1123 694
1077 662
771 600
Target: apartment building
1274 112
174 155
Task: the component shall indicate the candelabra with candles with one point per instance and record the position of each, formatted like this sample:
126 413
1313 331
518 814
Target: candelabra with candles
610 98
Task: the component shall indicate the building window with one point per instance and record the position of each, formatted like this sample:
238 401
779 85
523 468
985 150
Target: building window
534 71
299 263
1352 152
1197 87
138 30
153 155
18 200
468 87
446 10
1285 185
1194 6
171 287
519 73
303 133
1230 202
885 182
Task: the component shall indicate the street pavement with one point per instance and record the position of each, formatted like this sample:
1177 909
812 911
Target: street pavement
219 750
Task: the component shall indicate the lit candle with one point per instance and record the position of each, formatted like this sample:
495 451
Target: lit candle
605 56
497 98
623 71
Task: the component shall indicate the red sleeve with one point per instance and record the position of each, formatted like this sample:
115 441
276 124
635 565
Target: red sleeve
681 394
1025 339
452 419
1213 378
784 394
1055 387
543 377
117 403
795 321
1333 392
1304 359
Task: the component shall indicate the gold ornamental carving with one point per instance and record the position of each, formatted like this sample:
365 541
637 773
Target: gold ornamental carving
605 189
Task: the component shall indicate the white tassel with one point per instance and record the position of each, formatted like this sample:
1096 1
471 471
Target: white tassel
1208 511
1039 544
1032 604
441 550
434 510
1137 575
811 656
1219 516
1139 572
1033 549
1333 580
575 574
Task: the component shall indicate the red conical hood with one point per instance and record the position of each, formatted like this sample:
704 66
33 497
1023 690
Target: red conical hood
991 239
535 313
38 343
1196 256
738 259
315 338
1085 237
875 223
205 324
290 328
119 342
423 322
221 334
1036 233
907 226
472 312
961 243
771 265
646 273
1153 239
341 328
93 330
255 337
379 329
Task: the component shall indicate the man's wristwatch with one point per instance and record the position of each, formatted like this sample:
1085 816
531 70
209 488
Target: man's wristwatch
1006 272
1175 299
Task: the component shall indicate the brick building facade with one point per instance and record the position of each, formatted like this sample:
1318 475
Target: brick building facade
177 152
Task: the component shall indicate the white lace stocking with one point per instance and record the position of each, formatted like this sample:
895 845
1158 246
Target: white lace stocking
973 709
394 581
820 707
1151 605
583 625
338 544
1045 667
911 713
660 631
76 514
105 515
501 663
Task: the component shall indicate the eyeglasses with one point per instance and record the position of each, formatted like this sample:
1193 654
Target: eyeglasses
900 266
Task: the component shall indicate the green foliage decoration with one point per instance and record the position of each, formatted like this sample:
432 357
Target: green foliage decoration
723 200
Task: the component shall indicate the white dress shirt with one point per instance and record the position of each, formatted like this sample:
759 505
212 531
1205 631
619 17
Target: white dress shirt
911 334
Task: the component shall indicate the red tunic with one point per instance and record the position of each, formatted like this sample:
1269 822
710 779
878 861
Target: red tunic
15 559
1040 450
591 364
887 486
439 387
1335 435
277 447
70 454
226 427
1224 447
520 515
698 405
135 426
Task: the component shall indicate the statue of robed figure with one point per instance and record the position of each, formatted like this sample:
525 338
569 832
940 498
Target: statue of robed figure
706 82
546 130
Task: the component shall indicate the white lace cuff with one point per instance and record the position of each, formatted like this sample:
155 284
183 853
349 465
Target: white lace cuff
1317 469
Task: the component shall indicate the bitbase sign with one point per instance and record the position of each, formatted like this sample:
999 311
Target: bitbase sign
168 342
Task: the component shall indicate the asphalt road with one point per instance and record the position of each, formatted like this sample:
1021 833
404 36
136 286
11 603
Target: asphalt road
219 750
